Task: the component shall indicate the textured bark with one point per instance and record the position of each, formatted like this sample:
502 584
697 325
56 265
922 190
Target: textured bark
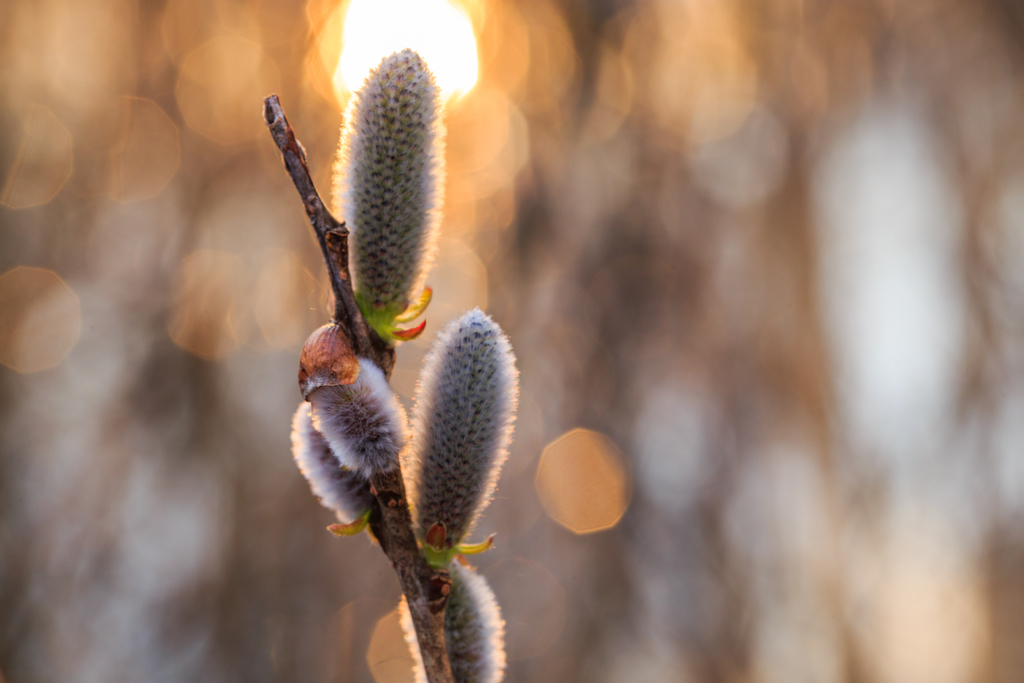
426 589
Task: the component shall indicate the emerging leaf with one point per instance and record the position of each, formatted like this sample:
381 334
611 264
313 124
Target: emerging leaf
475 548
409 334
415 310
352 528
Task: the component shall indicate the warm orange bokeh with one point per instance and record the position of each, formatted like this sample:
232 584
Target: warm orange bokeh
583 482
440 32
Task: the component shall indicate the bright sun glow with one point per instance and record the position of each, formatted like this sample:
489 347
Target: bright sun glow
442 34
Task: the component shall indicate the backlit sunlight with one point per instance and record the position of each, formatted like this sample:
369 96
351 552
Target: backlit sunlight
441 33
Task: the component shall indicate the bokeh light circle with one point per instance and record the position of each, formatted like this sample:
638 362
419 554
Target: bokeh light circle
42 164
148 154
217 85
41 316
207 304
388 655
583 482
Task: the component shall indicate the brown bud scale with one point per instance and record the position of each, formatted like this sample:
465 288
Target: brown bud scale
327 360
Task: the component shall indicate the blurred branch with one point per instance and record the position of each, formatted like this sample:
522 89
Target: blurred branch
426 589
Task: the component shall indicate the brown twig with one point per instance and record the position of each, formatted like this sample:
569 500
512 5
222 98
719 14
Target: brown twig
426 589
333 238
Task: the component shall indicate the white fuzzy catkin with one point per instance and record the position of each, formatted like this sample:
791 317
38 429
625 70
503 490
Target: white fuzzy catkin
465 409
363 422
473 629
389 180
338 488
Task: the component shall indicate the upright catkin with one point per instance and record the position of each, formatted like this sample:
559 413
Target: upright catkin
389 184
462 424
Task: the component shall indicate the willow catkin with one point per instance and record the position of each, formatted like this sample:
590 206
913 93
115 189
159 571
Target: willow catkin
363 422
389 183
338 488
465 409
474 631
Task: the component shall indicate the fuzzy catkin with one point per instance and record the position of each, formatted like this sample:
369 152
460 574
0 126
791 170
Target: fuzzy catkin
389 180
465 409
363 422
338 488
473 629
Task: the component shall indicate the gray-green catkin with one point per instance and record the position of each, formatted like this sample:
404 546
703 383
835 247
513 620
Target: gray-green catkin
473 629
363 422
338 488
389 180
462 424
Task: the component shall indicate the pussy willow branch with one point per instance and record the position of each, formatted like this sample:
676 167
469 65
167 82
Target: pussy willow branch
426 589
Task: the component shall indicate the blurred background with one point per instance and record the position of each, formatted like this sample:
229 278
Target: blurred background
762 263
